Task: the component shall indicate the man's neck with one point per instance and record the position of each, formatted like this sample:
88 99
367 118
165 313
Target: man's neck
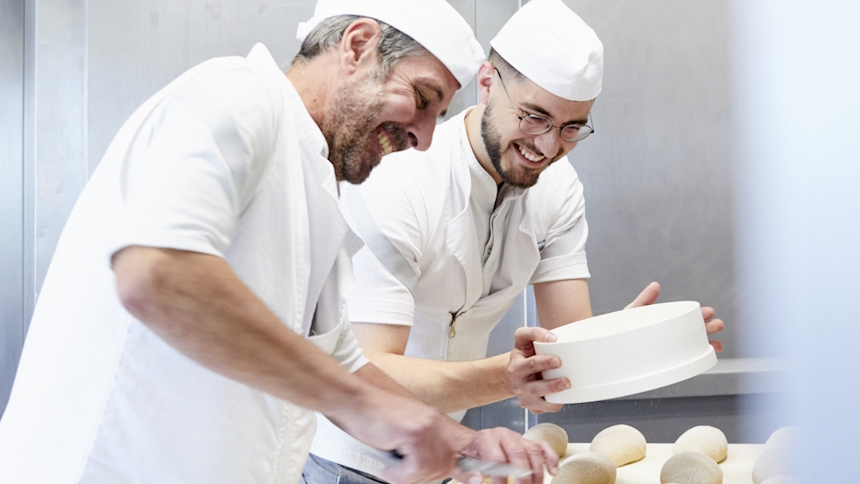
476 141
313 82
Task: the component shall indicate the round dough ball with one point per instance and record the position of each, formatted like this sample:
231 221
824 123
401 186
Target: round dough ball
550 433
774 461
621 443
691 468
586 468
782 480
787 437
703 439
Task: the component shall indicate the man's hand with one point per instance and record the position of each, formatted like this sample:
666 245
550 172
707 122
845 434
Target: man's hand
649 295
525 367
506 446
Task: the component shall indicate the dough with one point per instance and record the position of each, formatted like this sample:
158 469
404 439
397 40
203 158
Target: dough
785 437
621 443
782 480
774 461
703 439
554 435
586 468
691 468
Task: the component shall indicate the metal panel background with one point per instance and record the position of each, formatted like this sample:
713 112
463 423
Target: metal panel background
658 171
11 192
56 171
136 48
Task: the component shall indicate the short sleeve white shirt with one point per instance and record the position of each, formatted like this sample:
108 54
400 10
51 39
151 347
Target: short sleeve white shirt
447 254
224 161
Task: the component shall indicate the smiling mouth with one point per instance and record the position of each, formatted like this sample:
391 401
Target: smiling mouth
528 155
384 143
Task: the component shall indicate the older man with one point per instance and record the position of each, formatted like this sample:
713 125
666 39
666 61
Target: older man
195 306
455 233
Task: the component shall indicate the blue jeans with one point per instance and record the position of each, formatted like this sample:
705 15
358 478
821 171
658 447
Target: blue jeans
321 471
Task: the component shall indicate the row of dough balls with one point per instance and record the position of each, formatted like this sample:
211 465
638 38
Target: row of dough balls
697 453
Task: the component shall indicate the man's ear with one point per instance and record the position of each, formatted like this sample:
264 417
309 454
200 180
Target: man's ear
358 45
486 77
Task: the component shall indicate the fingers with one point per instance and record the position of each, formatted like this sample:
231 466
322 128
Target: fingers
646 297
707 313
714 326
516 449
419 467
525 368
718 345
538 405
524 338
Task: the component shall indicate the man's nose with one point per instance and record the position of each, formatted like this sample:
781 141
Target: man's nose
548 143
420 133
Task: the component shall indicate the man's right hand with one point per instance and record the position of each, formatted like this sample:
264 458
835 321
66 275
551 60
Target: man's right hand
524 371
416 431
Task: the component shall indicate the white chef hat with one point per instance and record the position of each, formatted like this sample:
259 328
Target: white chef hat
432 23
554 48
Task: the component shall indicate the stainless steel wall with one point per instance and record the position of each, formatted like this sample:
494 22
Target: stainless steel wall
11 191
657 173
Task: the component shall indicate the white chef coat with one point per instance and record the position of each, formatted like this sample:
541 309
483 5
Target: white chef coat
446 255
225 161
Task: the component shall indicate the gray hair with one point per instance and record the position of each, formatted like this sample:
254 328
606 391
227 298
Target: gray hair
393 46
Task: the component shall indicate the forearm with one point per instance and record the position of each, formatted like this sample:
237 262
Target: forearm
449 385
197 304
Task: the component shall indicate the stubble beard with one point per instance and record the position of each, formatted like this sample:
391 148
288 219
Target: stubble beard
493 144
352 125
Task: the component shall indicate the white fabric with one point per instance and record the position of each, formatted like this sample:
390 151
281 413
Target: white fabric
224 161
425 204
434 24
554 48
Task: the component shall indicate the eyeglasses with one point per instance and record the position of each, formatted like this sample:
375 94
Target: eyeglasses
533 124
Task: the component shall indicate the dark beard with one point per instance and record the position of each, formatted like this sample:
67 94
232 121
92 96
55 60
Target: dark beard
493 145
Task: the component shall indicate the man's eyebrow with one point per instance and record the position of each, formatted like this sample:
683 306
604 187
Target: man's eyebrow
534 107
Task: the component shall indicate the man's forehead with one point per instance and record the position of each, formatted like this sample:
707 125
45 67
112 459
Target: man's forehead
538 100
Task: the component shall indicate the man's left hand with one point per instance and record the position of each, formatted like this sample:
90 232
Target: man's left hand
649 295
525 367
506 446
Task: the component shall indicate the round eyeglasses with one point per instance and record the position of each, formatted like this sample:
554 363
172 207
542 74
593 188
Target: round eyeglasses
534 124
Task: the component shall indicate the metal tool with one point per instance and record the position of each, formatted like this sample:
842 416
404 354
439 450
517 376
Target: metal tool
470 464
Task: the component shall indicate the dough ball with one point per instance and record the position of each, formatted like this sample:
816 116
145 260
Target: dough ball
703 439
774 461
782 480
621 443
785 437
586 468
550 433
691 468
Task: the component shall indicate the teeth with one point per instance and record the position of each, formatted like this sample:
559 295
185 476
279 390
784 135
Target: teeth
384 144
530 156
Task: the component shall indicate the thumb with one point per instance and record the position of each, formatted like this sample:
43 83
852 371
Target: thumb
647 297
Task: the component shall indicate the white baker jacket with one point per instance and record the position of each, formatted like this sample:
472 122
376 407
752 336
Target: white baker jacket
447 253
225 161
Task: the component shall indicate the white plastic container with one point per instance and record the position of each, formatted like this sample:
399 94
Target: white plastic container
630 351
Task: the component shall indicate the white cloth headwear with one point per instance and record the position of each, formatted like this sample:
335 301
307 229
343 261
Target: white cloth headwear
434 24
554 48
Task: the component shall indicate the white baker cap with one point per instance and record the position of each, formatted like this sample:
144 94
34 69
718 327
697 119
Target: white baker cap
554 48
434 24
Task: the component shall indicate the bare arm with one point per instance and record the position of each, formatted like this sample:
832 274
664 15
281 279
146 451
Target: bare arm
457 385
197 304
562 302
448 386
